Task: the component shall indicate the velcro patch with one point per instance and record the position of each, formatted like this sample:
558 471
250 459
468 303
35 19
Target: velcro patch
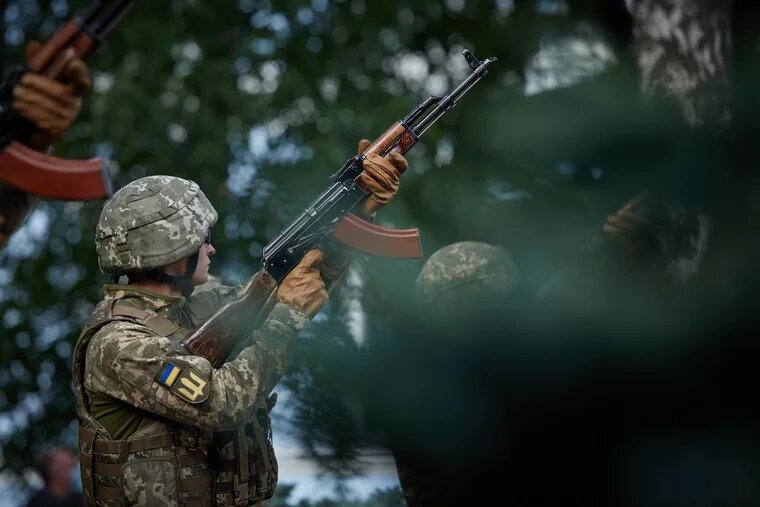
168 373
191 386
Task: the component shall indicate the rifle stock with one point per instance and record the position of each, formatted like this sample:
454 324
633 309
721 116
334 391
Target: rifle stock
220 334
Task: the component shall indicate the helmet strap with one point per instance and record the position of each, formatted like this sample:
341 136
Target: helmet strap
185 282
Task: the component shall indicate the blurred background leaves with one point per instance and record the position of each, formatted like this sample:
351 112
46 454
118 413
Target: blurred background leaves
260 101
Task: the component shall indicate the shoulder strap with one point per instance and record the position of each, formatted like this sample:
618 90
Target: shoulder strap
148 318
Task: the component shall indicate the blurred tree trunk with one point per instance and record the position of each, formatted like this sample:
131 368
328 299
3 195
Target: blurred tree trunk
683 50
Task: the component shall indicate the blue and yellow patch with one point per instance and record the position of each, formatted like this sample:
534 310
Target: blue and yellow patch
169 375
184 381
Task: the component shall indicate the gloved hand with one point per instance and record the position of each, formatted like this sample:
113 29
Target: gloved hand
303 288
628 219
380 178
629 226
50 105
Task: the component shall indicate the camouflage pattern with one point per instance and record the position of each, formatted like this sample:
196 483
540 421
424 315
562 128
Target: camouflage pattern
151 482
120 394
152 222
123 359
466 272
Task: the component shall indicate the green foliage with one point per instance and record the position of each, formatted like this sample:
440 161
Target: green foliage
260 101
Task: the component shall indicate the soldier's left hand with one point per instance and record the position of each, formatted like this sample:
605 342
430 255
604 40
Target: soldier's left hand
380 178
51 105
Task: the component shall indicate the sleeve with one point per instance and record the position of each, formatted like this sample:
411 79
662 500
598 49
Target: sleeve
128 362
202 304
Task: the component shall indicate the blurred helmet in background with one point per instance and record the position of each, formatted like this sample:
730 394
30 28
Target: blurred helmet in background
466 276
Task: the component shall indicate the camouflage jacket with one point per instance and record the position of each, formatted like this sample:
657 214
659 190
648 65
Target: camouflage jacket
161 427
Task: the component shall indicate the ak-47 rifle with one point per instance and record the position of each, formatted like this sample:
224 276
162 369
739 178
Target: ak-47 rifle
38 173
329 213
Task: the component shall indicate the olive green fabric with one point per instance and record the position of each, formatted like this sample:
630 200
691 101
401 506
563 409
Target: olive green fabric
118 418
152 222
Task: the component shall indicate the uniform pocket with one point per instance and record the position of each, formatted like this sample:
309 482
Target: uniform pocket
150 482
264 468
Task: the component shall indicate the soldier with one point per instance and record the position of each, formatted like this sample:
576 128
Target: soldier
458 287
159 426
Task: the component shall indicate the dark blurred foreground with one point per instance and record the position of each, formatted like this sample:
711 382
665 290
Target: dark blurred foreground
645 402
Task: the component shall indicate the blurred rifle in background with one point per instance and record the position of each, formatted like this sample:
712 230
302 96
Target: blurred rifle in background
627 223
26 171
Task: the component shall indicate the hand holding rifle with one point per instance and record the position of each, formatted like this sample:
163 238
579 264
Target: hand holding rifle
305 287
50 105
380 178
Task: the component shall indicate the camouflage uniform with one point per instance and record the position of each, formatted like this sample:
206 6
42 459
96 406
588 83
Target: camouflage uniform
159 426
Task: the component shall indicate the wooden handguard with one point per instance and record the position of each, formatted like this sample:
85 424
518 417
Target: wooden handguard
221 333
66 44
373 239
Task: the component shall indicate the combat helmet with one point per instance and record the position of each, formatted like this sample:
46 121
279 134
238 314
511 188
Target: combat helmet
151 222
465 275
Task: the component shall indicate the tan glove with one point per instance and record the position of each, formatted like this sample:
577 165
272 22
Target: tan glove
52 106
380 178
630 220
629 226
303 288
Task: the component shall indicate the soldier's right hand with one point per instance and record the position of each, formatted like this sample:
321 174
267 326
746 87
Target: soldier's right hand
51 106
303 288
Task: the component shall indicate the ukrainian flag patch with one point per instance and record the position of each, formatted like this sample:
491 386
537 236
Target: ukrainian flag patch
169 374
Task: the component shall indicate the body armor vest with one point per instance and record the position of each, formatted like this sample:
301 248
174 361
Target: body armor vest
165 462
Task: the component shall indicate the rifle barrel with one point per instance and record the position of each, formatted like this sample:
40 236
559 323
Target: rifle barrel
104 20
451 99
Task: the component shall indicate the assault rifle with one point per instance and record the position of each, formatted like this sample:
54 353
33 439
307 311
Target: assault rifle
32 171
329 213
